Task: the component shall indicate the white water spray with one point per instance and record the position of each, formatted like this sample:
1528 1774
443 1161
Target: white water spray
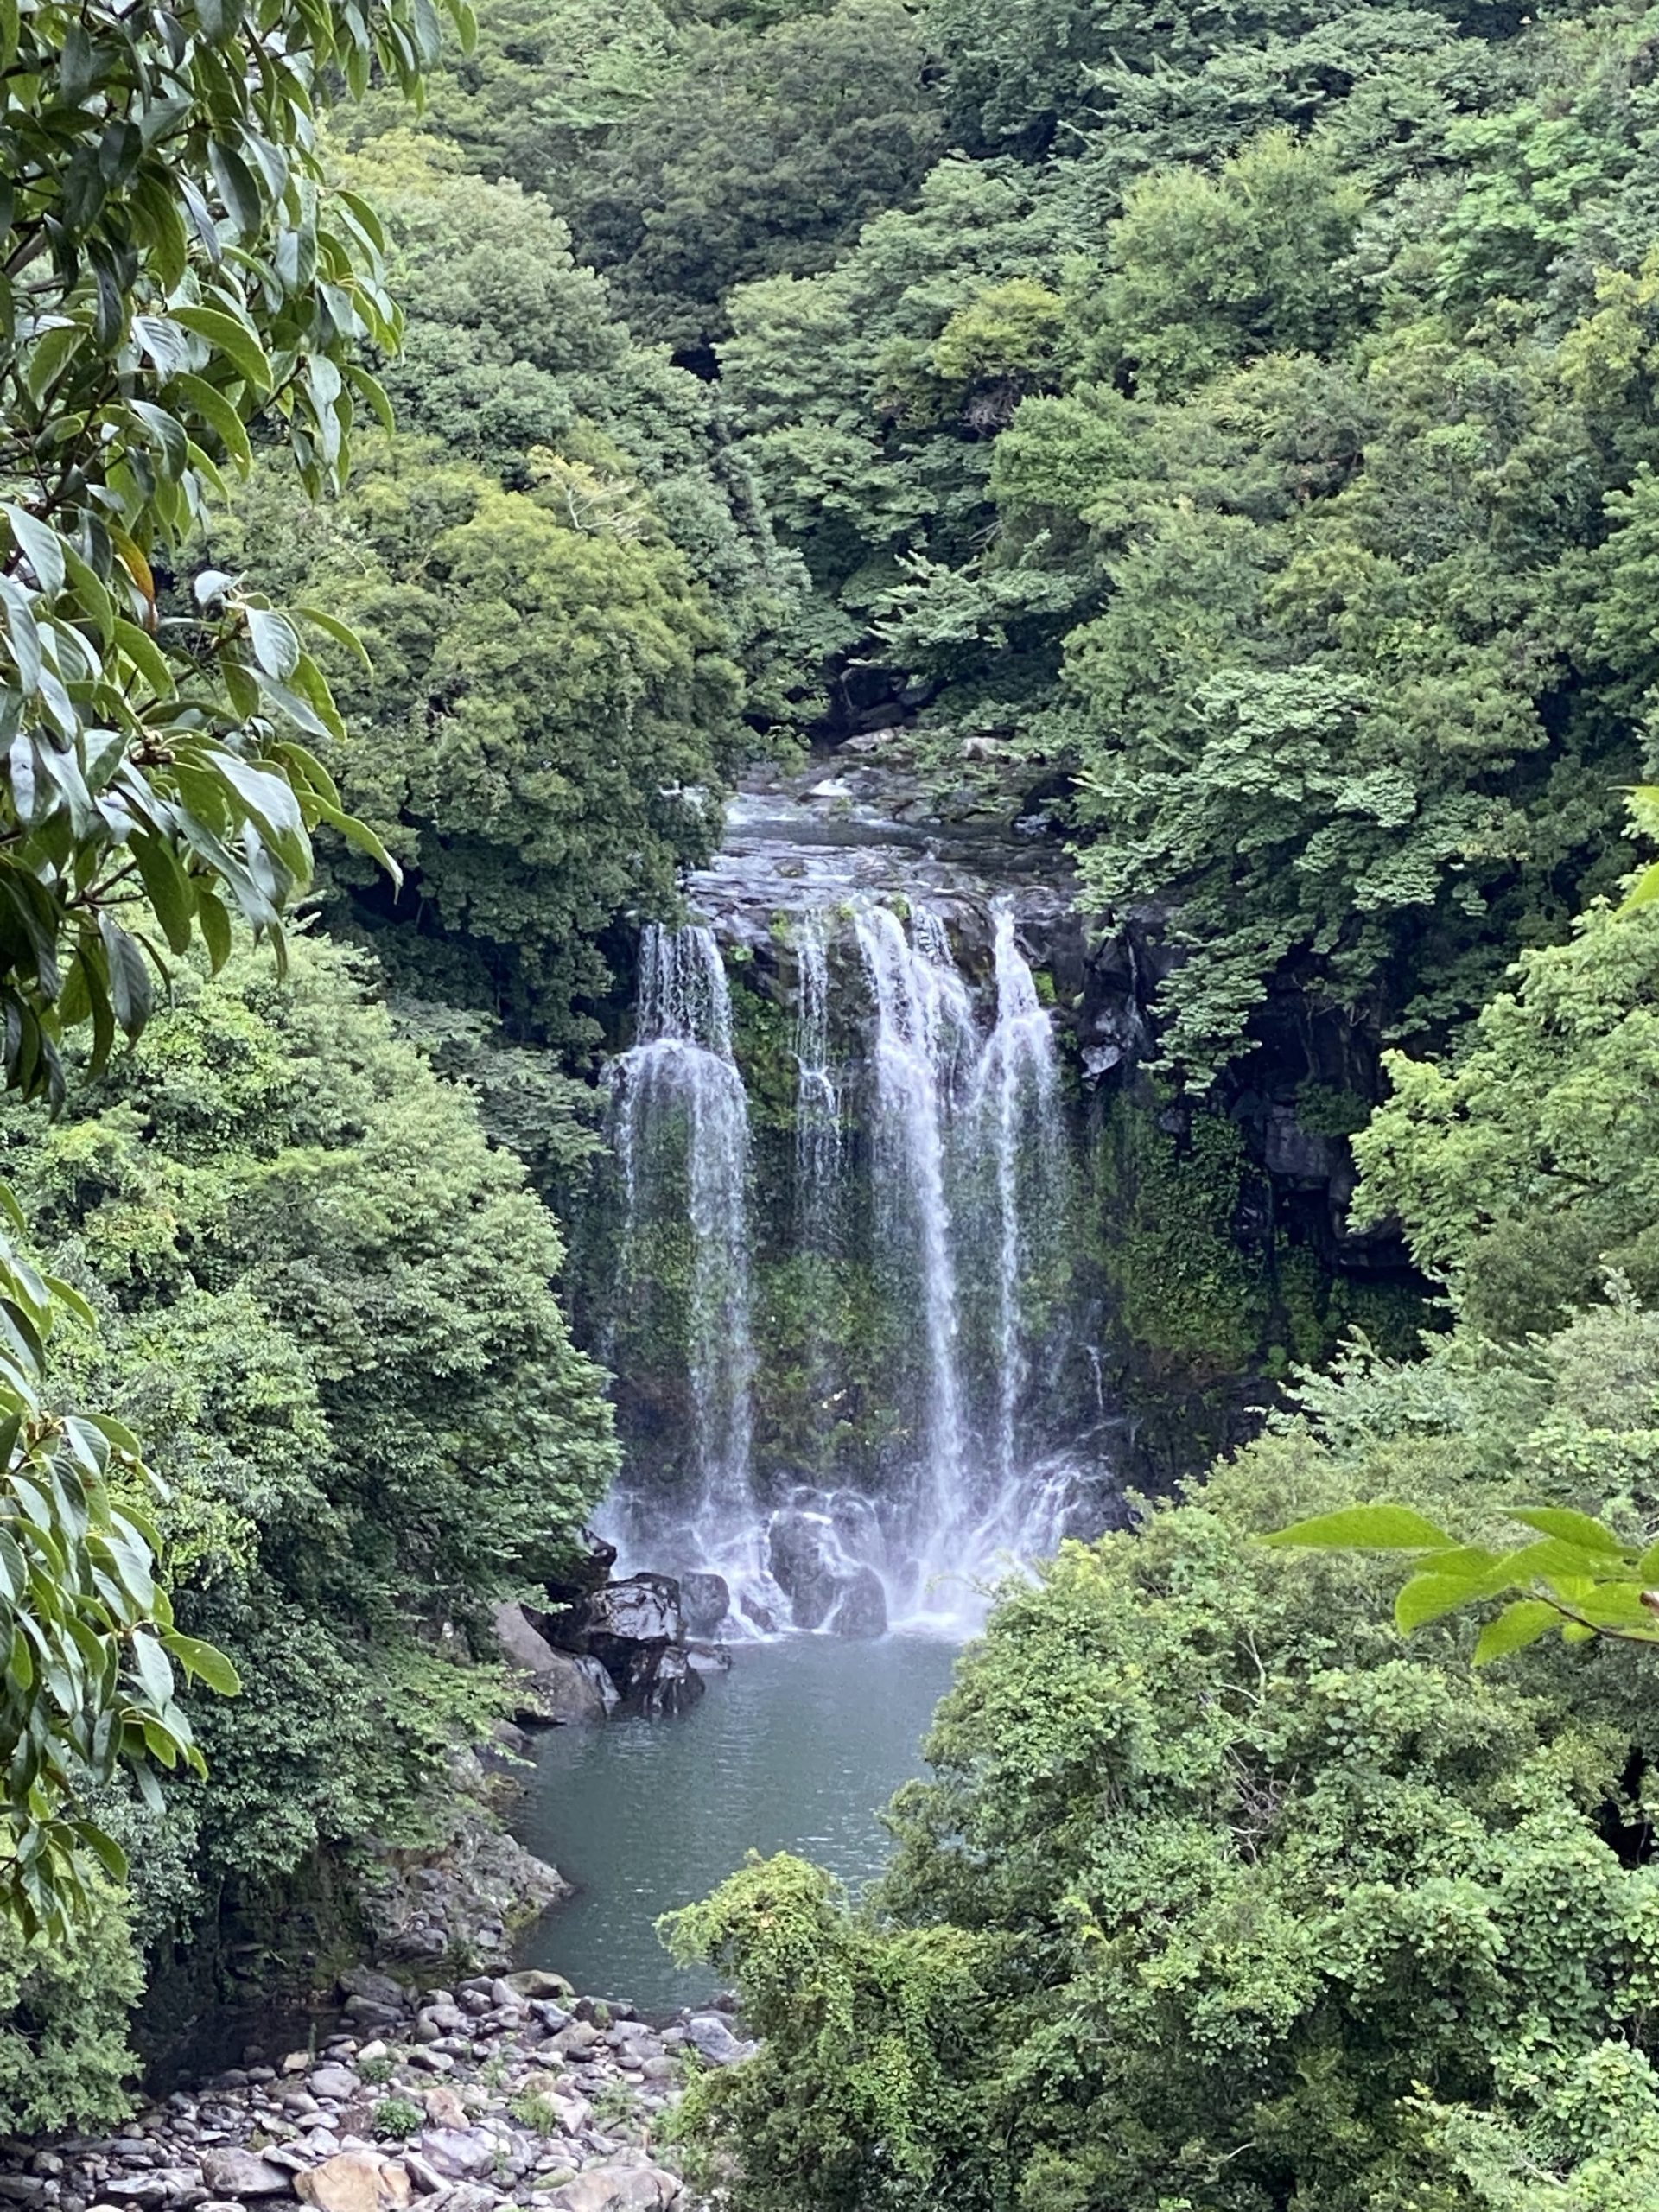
817 1103
922 1018
1015 1118
958 1104
678 1103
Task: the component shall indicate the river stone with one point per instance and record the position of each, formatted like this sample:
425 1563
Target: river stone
538 1982
618 2188
807 1564
336 2081
378 1988
458 2153
153 2187
231 2172
706 1599
862 1609
664 1679
348 2182
714 2039
640 1609
570 1688
471 2196
444 2108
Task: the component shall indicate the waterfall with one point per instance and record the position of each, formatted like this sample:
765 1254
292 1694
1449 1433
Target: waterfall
680 1112
818 1105
923 1180
923 1020
1016 1110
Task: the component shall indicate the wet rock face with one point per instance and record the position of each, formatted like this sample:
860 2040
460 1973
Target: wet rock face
634 1631
706 1600
463 1902
482 2098
642 1608
825 1586
862 1609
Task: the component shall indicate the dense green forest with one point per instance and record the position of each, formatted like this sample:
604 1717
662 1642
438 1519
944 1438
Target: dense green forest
1230 426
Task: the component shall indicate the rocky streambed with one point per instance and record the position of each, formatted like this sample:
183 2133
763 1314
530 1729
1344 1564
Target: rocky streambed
503 2091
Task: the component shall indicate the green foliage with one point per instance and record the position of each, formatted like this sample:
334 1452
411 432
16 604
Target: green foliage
173 268
537 2111
396 2117
1207 273
1271 460
861 2012
1577 1575
1214 1894
762 154
553 701
541 84
1185 1285
329 1302
63 2005
88 1691
1525 1169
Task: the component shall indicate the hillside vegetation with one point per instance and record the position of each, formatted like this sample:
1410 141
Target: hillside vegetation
1233 425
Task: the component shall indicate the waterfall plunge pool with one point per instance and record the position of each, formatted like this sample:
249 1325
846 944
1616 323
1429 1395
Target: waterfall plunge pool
798 1748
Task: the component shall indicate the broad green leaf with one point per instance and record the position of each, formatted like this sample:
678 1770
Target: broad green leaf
236 339
142 651
1517 1625
1619 1605
154 1669
67 1294
49 355
341 632
1367 1528
275 645
205 1661
1426 1596
105 1848
169 889
215 926
1570 1527
221 417
131 992
40 545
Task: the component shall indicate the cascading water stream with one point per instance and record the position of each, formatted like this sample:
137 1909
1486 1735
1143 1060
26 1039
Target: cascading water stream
922 1019
1015 1115
680 1112
817 1103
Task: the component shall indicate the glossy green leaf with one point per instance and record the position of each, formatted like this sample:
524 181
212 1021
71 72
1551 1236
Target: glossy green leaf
204 1662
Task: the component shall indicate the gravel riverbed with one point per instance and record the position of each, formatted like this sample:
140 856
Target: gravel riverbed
505 2090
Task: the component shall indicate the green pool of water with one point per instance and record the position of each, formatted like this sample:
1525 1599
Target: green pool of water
798 1748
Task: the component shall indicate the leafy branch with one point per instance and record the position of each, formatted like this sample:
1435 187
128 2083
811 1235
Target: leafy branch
1577 1575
